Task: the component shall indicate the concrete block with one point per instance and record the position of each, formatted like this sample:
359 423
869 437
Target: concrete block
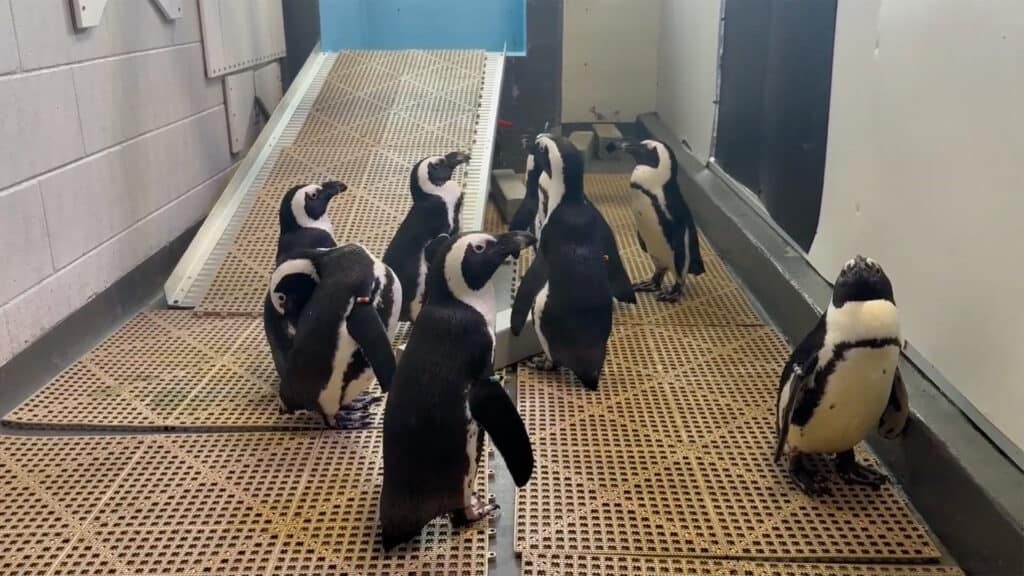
584 142
36 311
508 190
25 245
121 98
47 36
606 133
91 201
39 123
9 60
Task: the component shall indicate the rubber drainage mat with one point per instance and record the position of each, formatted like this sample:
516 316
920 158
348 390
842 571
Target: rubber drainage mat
672 456
560 565
711 299
171 369
276 503
376 115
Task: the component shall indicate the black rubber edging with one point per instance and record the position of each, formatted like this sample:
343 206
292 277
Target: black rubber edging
970 494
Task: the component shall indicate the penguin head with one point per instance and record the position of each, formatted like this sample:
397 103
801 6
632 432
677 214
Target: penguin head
432 174
464 264
861 280
563 163
655 162
305 206
291 286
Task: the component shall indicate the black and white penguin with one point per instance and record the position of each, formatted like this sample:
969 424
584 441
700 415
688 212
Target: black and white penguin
578 270
343 336
303 218
443 394
665 226
304 225
436 208
842 380
291 286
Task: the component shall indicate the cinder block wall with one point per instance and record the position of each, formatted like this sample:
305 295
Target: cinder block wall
112 143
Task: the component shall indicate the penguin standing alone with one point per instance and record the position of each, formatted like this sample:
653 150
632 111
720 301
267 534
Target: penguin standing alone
665 226
436 208
304 225
842 380
578 270
443 393
343 336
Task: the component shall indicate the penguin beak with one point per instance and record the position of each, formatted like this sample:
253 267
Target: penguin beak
453 159
512 243
332 188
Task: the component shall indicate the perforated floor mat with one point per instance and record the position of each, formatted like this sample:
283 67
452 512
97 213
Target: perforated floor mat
377 114
279 503
560 565
170 369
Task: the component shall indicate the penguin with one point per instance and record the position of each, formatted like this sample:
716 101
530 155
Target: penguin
343 336
665 226
532 211
303 218
843 379
443 395
436 208
304 225
578 271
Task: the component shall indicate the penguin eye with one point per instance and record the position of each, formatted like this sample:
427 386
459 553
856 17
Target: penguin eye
478 248
313 195
281 298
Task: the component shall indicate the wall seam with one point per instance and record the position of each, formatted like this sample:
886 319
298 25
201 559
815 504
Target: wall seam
57 67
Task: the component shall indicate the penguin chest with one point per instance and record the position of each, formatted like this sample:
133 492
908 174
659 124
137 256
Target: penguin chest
421 285
538 318
649 227
350 374
854 398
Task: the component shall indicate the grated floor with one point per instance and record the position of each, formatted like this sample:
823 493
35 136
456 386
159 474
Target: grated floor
665 470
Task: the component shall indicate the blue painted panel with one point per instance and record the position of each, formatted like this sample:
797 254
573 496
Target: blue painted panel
493 25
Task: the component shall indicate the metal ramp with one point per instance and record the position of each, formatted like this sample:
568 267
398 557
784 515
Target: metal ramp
665 470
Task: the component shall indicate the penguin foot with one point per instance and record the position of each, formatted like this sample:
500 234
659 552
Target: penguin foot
473 513
647 286
855 473
809 481
672 295
362 402
542 362
351 420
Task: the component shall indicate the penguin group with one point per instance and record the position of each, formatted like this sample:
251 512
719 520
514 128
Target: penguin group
332 310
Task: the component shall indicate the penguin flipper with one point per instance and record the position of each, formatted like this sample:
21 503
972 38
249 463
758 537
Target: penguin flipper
797 383
531 284
366 328
497 415
622 286
897 411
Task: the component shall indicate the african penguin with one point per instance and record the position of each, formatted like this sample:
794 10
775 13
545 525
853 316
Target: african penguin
304 225
303 218
443 394
436 208
665 226
842 380
343 336
578 270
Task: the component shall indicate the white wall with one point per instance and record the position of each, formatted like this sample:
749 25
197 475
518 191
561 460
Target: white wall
112 142
924 173
688 70
609 59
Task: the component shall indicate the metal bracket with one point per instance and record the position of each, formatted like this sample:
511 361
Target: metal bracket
171 9
89 13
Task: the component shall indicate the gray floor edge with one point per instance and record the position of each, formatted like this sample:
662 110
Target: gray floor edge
970 493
